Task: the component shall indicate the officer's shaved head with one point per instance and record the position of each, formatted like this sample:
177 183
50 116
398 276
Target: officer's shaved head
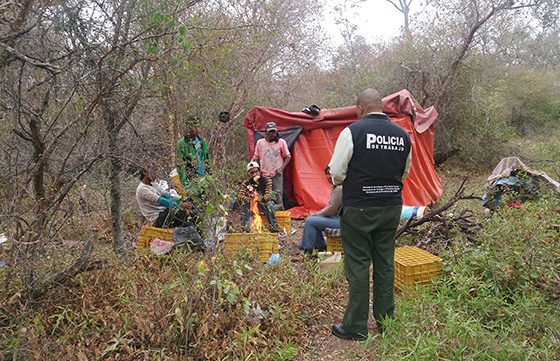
370 101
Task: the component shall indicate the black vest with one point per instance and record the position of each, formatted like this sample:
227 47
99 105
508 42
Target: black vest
378 162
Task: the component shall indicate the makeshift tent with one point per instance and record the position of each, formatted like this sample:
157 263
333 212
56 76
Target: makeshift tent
513 177
306 187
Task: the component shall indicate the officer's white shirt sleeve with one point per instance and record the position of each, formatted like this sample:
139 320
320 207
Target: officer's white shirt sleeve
407 165
343 151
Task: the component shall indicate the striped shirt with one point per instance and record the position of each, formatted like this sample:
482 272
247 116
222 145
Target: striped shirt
263 188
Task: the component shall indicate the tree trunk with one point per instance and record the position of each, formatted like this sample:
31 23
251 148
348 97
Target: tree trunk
404 7
115 191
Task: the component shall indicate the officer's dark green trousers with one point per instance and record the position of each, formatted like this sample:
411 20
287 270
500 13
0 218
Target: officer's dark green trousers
368 235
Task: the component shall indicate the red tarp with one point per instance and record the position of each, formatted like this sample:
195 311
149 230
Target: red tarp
305 178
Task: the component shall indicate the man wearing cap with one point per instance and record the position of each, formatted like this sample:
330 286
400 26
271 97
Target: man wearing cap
273 155
160 208
192 158
371 159
258 187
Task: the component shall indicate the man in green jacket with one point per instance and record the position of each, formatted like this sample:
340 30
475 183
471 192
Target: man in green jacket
193 159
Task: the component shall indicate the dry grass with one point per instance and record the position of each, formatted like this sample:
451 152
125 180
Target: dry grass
195 306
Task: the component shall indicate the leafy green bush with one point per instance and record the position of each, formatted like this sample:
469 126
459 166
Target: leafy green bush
532 96
497 300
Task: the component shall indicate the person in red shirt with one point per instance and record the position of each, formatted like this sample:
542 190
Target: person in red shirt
273 156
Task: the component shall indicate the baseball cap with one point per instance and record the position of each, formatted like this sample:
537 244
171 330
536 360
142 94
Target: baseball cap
252 165
270 126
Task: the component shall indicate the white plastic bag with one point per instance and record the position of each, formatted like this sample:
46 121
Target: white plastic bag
160 247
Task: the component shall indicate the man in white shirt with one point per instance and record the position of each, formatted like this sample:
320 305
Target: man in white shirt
161 208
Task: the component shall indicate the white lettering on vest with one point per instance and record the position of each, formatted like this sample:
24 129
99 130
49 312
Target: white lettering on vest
370 141
373 141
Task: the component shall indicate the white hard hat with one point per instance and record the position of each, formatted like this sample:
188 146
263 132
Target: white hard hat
252 165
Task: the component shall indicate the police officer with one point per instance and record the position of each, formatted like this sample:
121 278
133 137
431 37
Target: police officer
371 158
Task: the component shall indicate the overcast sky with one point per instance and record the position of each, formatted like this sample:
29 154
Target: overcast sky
375 19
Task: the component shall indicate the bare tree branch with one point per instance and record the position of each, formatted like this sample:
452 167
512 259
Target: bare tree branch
504 5
61 277
428 217
404 8
27 59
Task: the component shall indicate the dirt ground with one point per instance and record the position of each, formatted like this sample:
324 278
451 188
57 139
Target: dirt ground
319 340
319 343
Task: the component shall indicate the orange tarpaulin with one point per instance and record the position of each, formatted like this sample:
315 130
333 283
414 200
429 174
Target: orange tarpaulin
305 183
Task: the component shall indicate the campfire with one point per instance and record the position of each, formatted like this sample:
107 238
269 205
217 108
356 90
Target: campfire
259 241
257 225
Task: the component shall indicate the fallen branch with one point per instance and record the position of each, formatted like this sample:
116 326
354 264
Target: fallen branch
61 277
432 214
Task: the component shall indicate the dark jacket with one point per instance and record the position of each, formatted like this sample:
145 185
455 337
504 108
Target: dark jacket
263 188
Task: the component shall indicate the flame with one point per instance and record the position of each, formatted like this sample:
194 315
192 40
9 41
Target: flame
257 225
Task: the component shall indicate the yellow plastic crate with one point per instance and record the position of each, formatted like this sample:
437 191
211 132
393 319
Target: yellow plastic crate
284 219
334 244
265 244
414 266
148 233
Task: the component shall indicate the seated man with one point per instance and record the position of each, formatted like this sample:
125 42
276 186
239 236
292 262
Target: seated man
160 208
316 222
260 188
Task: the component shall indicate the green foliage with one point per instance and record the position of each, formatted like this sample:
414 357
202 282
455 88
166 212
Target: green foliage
505 82
497 300
534 98
542 150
